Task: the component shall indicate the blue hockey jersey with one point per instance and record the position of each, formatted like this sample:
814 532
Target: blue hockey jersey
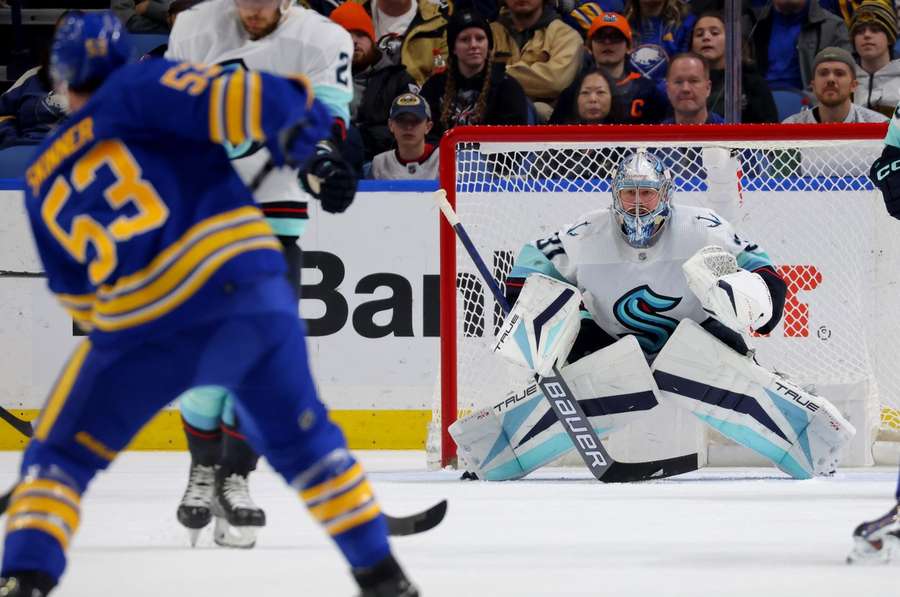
137 213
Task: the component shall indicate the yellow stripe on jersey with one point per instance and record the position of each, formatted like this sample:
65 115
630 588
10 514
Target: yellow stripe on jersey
216 127
343 503
47 506
254 106
234 107
61 391
182 269
332 486
94 445
342 525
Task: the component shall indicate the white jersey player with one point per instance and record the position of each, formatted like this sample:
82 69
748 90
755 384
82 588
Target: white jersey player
878 541
267 35
675 286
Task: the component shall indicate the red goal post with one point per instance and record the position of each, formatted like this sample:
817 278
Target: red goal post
499 175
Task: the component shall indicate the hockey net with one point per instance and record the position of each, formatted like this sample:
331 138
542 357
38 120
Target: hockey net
803 196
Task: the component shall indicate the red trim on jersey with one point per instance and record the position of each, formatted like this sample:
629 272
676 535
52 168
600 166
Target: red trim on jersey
429 149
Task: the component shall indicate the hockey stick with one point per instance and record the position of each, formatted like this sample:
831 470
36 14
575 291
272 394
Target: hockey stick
413 524
21 425
564 403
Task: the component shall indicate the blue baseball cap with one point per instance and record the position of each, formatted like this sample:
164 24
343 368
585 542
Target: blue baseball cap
410 103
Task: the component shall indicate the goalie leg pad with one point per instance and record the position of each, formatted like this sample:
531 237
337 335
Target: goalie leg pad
542 325
800 433
521 434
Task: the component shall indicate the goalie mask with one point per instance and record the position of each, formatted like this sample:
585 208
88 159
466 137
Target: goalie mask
642 191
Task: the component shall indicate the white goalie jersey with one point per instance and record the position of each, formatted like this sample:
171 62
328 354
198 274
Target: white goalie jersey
642 292
304 43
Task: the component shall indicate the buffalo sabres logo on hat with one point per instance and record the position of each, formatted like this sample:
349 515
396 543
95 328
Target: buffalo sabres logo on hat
410 103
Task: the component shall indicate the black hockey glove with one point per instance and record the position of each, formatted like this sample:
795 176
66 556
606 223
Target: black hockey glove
329 178
885 174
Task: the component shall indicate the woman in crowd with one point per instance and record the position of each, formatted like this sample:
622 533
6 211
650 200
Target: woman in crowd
474 90
708 40
591 104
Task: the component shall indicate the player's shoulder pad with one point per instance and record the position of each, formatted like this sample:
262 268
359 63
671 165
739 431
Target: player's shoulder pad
584 225
202 19
701 217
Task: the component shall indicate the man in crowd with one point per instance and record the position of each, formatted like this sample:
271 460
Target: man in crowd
788 36
376 80
541 52
143 16
411 32
688 87
874 32
833 83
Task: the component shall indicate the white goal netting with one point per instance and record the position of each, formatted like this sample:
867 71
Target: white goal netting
806 202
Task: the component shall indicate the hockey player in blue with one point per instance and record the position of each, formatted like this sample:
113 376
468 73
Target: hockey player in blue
153 244
878 541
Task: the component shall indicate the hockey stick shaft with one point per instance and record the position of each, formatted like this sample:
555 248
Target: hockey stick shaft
554 387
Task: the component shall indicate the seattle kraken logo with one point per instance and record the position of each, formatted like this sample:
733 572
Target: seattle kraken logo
639 310
248 147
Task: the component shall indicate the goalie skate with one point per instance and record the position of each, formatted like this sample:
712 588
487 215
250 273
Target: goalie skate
194 511
238 519
877 541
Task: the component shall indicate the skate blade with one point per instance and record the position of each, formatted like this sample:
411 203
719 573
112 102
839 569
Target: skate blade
866 554
226 535
193 536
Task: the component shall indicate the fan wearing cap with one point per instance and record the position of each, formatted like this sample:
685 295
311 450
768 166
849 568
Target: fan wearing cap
376 80
413 159
637 99
475 89
833 83
873 32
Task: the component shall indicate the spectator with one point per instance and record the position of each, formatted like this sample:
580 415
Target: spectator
411 32
414 159
579 14
640 99
376 80
30 108
663 23
143 16
708 40
542 53
834 80
591 104
688 86
788 36
874 32
475 89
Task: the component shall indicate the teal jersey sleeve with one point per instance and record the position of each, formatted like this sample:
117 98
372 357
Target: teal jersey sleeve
893 133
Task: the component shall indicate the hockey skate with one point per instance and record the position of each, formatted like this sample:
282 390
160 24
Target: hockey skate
26 584
385 579
194 510
877 541
237 518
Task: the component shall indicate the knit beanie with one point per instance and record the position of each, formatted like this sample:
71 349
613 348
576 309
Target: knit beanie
876 12
353 17
465 19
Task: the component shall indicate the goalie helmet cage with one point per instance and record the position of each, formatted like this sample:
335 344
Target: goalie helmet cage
800 191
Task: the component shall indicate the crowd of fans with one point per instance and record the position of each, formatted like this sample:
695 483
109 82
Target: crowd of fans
422 67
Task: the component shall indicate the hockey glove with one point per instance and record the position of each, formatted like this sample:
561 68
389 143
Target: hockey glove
885 174
329 178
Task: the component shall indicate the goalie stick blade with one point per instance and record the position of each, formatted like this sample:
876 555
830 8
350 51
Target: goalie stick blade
629 472
21 425
399 526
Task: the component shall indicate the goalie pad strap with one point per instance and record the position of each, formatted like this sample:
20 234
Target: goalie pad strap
778 292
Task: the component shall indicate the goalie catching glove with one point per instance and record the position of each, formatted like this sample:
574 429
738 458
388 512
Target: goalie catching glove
736 297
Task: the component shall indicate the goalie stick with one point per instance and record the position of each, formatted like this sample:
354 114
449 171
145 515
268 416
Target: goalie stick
563 402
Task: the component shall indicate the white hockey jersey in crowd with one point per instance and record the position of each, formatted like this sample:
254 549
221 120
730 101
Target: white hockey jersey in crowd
636 291
387 166
304 42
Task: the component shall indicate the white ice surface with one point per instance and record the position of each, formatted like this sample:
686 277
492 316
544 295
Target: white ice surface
717 532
